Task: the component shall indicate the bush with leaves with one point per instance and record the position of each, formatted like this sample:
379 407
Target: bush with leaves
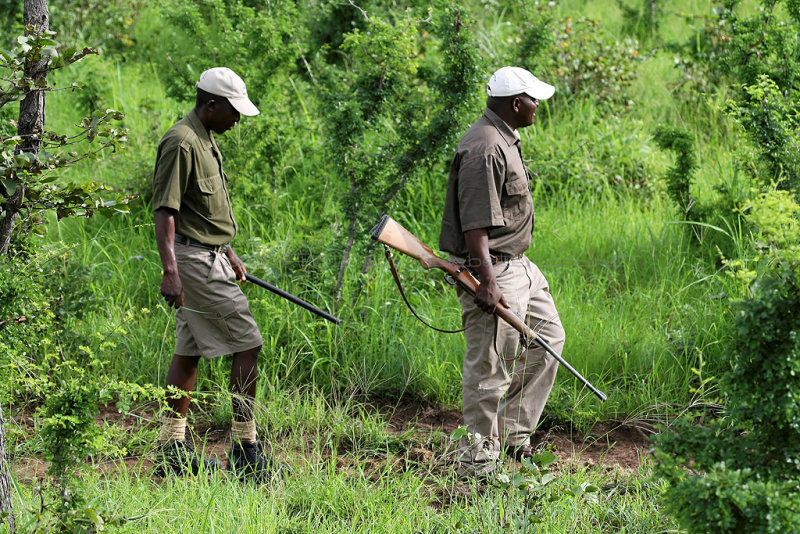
770 118
392 114
579 56
589 61
29 185
738 45
739 472
679 177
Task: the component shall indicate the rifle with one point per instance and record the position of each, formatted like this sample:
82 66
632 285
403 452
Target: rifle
288 296
391 234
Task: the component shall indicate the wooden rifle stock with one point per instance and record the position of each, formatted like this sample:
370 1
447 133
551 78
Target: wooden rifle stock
391 234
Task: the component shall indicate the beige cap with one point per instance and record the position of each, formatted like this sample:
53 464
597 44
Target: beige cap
510 81
222 81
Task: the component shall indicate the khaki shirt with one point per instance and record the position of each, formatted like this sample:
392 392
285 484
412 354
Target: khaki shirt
489 187
189 179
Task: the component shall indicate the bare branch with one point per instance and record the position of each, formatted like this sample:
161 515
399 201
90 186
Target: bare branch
363 12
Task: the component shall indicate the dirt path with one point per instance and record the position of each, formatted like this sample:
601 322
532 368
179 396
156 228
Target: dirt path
608 445
613 447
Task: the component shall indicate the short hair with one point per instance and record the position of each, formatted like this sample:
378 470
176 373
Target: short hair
204 96
496 102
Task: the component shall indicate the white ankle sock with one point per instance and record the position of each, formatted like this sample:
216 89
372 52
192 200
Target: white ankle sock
243 430
172 428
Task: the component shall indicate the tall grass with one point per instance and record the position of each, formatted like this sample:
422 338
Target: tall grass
326 498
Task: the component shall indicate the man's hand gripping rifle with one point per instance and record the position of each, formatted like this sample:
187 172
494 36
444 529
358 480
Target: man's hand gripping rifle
391 234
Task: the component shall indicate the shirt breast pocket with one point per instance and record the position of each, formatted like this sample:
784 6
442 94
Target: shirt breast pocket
516 199
212 194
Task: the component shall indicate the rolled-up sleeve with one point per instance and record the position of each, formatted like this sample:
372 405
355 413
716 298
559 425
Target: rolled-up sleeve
480 182
173 167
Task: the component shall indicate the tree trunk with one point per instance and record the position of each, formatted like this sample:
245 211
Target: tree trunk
30 127
5 482
31 117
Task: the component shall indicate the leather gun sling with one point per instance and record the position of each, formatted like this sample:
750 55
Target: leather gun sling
403 294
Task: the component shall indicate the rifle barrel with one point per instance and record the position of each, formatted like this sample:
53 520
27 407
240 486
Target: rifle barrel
602 396
288 296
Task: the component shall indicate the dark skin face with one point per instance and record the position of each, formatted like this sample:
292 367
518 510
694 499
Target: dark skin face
518 111
527 109
218 115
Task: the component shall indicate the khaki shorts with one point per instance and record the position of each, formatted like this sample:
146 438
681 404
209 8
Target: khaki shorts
215 319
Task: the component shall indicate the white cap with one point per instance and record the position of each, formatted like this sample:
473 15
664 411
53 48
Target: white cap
222 81
510 81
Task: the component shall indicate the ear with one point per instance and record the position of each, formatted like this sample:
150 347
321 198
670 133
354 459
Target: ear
516 104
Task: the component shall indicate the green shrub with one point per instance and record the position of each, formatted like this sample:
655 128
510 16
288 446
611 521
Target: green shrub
770 119
734 500
579 56
679 177
739 472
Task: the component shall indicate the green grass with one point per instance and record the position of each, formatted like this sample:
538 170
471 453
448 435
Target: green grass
352 474
323 498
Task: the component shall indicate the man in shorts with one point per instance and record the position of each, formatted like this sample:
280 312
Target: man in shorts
488 225
194 225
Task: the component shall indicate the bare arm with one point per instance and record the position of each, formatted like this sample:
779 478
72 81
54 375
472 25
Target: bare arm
171 286
488 295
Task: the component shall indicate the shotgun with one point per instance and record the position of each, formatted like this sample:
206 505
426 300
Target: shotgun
288 296
391 234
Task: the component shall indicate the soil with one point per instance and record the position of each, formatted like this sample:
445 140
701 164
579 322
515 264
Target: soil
613 446
609 447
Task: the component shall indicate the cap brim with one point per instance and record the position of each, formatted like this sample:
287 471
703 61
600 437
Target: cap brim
244 106
540 90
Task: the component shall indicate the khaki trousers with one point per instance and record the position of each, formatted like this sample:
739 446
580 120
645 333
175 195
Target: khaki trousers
503 397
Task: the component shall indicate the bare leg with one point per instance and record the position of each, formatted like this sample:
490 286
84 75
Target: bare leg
182 374
244 376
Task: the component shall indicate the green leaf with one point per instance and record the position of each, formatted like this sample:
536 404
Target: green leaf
10 185
459 433
49 51
545 458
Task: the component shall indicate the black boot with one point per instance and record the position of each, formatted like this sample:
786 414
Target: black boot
179 457
248 460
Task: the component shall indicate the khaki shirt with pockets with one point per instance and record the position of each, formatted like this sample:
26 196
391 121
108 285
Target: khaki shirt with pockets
489 187
188 178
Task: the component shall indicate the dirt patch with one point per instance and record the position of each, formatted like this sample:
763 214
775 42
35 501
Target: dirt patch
608 445
605 445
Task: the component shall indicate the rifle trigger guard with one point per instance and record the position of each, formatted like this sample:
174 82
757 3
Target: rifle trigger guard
524 340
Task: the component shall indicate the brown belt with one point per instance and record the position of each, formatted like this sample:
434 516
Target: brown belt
499 257
183 240
494 257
